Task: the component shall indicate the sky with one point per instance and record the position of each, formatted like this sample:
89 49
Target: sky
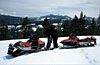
36 8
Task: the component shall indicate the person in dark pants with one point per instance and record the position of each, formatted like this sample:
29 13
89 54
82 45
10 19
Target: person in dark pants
52 35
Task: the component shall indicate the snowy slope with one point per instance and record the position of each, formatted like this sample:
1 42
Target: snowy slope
80 56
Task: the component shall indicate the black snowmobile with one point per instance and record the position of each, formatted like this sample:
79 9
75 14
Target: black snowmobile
20 48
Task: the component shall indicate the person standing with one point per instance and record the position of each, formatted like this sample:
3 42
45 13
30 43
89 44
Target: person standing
52 36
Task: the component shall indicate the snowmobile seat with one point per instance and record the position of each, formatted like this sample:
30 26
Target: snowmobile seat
17 43
70 43
83 40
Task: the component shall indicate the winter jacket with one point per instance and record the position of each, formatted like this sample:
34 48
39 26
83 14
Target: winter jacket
53 32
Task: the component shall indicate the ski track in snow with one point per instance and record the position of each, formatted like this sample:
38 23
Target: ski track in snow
91 60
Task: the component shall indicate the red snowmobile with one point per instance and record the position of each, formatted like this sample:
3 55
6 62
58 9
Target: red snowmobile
21 48
74 41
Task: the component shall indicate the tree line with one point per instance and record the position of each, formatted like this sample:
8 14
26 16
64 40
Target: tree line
79 26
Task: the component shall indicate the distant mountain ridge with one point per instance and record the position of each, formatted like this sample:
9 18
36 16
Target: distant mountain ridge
51 16
38 20
11 19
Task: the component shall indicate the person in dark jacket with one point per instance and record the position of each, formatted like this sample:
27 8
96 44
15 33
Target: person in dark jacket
52 35
34 39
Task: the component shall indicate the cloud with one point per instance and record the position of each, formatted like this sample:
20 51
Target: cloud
42 7
2 12
13 14
92 7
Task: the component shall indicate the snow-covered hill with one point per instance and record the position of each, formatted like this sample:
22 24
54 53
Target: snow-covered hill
80 56
54 17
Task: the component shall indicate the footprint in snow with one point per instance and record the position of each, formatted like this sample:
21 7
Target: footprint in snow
89 59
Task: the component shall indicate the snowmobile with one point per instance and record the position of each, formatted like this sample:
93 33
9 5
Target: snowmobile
20 48
74 41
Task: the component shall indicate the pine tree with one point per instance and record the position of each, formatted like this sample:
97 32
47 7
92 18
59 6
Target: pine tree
4 32
93 27
59 30
46 25
81 14
40 32
75 29
86 26
26 28
20 35
82 24
98 25
66 28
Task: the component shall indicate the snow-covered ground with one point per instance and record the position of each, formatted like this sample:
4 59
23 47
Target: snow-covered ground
80 56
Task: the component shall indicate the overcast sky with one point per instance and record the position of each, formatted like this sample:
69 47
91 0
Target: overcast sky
34 8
